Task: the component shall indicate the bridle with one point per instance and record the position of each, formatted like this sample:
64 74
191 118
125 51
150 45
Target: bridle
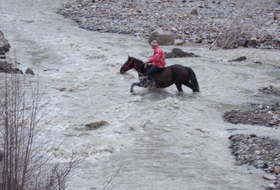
141 76
134 66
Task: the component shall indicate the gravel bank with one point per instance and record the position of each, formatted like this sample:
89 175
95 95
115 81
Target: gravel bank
260 152
252 23
265 115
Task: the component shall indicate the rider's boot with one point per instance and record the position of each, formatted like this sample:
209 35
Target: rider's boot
151 83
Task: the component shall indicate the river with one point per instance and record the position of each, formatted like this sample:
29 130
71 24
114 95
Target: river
155 139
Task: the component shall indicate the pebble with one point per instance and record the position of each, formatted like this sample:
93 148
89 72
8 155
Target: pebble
269 177
277 170
272 186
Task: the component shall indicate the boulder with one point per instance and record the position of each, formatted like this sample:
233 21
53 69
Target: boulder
177 52
162 37
182 53
29 71
4 44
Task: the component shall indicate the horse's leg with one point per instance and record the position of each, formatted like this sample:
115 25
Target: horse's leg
140 84
131 89
179 87
190 86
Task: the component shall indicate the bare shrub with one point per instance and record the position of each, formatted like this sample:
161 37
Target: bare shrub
250 24
24 164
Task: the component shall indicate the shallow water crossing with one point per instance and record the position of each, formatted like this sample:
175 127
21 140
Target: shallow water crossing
155 139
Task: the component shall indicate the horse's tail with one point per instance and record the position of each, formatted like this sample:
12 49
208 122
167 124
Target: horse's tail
192 78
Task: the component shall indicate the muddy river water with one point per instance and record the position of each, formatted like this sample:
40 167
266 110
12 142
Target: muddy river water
156 138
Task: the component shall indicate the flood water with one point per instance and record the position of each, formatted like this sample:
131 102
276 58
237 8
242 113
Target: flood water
155 139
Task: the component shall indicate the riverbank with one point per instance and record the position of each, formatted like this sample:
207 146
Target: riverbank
244 23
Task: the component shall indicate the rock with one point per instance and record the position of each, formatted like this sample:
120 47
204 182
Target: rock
177 52
95 125
8 68
260 107
272 186
256 41
253 135
233 137
275 43
170 55
180 36
194 12
269 177
4 44
277 170
174 29
252 43
241 42
243 58
270 90
273 122
62 89
181 53
29 71
262 40
1 155
199 40
162 37
178 42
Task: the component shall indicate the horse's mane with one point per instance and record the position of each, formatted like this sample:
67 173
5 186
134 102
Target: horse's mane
138 60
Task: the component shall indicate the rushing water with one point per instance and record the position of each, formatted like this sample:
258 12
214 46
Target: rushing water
156 138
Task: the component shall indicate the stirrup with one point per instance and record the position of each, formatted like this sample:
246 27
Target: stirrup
151 83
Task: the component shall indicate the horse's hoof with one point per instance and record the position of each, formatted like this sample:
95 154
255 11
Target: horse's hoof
181 93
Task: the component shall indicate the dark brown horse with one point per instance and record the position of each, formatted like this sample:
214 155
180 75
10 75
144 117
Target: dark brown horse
177 74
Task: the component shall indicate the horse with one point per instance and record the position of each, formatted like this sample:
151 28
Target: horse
166 77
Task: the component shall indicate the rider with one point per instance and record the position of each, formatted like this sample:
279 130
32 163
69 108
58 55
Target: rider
158 60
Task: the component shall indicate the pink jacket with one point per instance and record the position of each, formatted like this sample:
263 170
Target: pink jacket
158 58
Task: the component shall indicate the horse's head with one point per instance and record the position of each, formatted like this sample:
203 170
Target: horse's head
131 63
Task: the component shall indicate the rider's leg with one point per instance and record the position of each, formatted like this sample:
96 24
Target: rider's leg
151 72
